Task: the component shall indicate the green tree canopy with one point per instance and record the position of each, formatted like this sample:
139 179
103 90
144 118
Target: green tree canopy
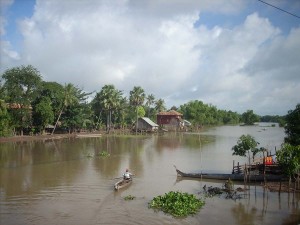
43 113
160 105
20 88
150 100
289 158
5 129
246 144
109 99
292 128
249 118
70 97
137 98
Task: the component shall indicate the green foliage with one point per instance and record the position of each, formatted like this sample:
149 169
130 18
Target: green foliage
204 114
108 100
249 118
129 197
43 113
245 145
275 119
55 92
140 111
292 128
137 98
177 203
5 129
160 105
289 158
104 154
21 85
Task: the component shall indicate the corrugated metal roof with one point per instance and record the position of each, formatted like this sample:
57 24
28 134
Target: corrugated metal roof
150 122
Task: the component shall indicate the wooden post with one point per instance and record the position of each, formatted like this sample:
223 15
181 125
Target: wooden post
280 186
233 167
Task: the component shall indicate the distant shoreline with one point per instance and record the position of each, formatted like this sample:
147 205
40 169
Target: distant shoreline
45 137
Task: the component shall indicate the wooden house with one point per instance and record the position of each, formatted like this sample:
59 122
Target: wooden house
170 120
145 124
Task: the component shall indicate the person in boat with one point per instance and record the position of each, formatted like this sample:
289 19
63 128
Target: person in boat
127 175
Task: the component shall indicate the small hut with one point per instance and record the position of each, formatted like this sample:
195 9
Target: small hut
145 124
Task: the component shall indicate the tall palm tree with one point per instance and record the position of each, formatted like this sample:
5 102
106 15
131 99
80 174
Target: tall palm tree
160 105
109 99
70 98
149 102
137 97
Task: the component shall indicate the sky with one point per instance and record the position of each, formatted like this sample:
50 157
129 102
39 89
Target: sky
237 55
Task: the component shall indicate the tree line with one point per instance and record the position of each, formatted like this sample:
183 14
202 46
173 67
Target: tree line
29 104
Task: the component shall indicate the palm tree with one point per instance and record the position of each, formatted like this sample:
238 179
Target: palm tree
149 102
137 97
160 105
70 98
109 99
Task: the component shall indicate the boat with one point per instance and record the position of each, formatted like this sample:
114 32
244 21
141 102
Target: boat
233 177
122 184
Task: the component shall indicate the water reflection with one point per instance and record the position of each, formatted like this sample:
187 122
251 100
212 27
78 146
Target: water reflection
55 182
244 214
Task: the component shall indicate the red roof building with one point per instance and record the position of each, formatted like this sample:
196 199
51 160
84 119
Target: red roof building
170 119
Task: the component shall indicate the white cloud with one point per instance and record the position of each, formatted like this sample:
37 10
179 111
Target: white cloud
155 44
4 4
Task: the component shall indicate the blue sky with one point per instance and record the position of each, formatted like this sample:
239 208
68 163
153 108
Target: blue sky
234 54
19 10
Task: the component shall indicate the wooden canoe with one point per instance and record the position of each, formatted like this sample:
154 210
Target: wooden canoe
233 177
122 184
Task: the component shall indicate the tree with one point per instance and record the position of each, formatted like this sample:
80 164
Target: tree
21 88
249 118
246 144
68 99
43 113
141 111
108 99
160 105
55 92
137 97
5 129
150 100
292 128
78 114
289 159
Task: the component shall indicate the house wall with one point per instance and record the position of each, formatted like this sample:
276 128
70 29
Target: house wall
167 119
143 125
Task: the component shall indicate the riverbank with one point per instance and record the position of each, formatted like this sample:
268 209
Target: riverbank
46 137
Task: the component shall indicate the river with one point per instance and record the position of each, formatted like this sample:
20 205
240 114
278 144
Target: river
67 182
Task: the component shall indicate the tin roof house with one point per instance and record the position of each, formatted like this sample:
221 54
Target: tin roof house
145 124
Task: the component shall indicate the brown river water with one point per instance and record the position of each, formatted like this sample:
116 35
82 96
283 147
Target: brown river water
66 181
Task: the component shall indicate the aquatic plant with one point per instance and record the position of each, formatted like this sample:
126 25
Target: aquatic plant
104 154
129 197
177 203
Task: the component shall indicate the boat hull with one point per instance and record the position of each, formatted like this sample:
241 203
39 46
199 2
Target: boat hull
122 184
233 177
